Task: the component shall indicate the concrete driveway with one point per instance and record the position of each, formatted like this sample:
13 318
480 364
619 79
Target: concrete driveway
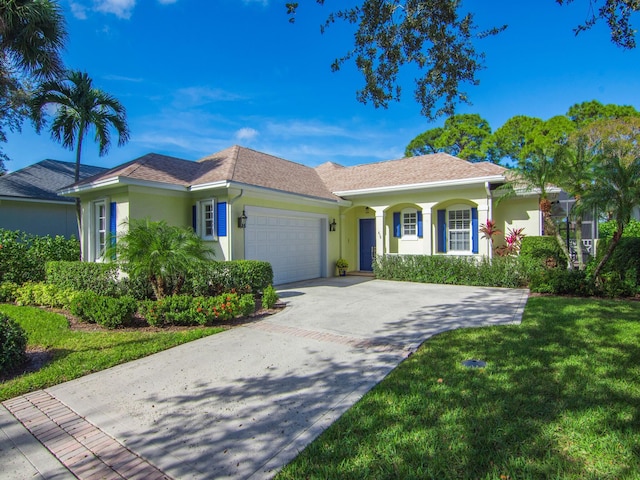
243 403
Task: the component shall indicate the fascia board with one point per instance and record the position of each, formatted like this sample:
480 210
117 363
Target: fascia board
421 186
36 200
113 181
270 193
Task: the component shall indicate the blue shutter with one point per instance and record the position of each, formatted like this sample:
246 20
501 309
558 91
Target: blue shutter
221 219
442 231
474 230
419 218
113 225
397 228
194 217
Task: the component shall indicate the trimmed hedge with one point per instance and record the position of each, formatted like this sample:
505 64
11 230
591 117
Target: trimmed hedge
106 311
544 250
497 272
13 343
242 276
100 278
23 255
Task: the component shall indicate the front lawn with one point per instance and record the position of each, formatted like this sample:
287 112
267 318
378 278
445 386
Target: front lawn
559 398
71 354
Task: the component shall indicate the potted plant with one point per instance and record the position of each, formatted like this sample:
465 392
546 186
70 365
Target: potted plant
342 265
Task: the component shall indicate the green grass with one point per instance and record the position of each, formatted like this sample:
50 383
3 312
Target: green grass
559 399
77 353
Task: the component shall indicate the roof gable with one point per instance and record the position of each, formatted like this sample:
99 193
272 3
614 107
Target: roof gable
43 180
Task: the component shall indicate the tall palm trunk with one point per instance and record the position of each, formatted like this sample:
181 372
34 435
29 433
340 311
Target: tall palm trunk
76 178
612 246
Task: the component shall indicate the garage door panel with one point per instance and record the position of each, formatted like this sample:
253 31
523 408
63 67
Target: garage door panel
293 245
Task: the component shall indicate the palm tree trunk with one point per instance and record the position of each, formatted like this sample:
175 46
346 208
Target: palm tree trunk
76 177
612 246
579 242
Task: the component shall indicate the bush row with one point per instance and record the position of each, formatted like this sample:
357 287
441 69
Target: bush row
208 279
497 272
23 255
13 344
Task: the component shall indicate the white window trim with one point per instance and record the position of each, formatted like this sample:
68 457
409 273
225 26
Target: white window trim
201 219
94 233
468 251
403 236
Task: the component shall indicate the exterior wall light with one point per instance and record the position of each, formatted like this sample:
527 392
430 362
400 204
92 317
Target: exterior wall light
332 226
242 220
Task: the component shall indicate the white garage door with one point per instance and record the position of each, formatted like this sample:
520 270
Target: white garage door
292 243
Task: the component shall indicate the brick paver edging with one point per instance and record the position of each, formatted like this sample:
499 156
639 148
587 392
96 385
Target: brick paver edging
88 452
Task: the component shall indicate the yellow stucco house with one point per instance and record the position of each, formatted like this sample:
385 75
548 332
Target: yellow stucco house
251 205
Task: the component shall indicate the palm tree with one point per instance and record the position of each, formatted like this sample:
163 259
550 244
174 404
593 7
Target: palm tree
615 147
80 108
32 34
161 253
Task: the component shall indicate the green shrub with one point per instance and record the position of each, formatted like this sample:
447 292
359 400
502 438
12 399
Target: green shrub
606 229
441 269
544 250
240 276
187 310
106 311
100 278
269 297
23 255
44 294
561 281
13 343
8 292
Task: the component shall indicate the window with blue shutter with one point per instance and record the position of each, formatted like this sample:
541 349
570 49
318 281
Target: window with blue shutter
474 230
194 217
442 231
397 227
221 219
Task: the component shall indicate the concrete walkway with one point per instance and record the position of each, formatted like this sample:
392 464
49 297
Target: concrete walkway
243 403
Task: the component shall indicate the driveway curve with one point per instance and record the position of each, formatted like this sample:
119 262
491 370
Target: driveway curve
243 403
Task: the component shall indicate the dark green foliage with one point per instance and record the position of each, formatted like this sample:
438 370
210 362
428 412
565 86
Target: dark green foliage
545 251
100 278
607 229
106 311
621 274
269 297
188 311
560 281
23 255
242 276
13 343
496 272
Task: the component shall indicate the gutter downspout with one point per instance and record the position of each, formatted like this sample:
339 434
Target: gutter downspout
231 237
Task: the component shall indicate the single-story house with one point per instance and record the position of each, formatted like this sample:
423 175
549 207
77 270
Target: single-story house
251 205
29 199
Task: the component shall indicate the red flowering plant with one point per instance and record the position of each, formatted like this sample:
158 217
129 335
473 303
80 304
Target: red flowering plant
490 230
514 240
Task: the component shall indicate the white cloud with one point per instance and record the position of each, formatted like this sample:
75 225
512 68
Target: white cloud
246 134
120 8
78 10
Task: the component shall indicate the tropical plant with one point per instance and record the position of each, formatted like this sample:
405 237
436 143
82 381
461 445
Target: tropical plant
490 230
162 253
80 108
513 240
615 147
32 34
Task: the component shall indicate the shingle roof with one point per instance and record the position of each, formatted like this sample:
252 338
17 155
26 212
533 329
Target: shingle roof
438 167
42 180
250 167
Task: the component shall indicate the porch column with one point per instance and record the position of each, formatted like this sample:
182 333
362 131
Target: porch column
380 248
483 244
427 243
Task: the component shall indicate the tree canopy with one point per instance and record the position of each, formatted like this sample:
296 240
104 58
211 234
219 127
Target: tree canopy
32 34
438 38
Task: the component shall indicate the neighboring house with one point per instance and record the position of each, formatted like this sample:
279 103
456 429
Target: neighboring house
29 199
302 219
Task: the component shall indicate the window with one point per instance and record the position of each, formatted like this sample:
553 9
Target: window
409 223
206 226
457 230
100 229
460 230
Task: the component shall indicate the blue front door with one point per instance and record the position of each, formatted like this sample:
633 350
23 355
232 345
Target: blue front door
367 243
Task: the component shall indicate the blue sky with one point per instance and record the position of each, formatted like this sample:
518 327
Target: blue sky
199 76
